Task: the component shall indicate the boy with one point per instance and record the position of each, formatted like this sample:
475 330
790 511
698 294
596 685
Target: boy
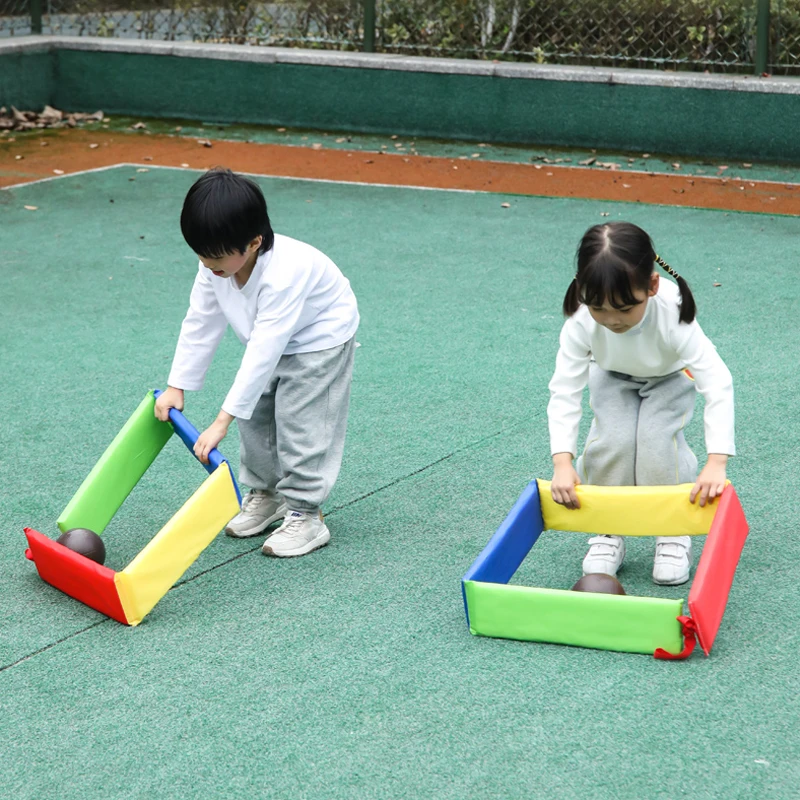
297 315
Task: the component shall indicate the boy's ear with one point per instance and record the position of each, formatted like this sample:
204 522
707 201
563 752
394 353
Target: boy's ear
255 243
652 291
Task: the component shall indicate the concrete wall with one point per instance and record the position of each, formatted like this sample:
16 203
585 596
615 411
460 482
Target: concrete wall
739 117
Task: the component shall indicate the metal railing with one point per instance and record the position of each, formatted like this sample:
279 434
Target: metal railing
761 36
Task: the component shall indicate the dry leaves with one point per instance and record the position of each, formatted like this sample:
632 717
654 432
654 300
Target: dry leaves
49 117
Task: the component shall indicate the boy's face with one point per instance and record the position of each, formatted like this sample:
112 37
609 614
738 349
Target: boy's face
228 266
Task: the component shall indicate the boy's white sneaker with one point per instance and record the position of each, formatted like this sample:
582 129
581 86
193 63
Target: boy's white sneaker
606 554
259 510
673 559
300 534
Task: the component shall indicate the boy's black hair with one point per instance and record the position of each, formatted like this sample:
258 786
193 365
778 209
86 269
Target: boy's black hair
614 261
222 213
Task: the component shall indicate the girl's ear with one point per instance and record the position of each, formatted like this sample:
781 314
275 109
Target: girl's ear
652 291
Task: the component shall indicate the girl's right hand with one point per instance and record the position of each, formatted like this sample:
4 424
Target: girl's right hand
565 479
171 398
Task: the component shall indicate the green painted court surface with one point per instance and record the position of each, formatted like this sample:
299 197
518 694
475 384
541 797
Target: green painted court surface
350 673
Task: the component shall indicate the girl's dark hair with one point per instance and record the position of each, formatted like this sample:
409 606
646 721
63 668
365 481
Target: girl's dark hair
222 213
614 261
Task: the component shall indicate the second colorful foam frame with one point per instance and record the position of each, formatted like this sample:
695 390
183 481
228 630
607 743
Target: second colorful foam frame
127 596
609 622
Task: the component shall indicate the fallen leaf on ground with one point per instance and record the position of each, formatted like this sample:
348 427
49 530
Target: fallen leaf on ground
505 205
58 171
93 146
31 208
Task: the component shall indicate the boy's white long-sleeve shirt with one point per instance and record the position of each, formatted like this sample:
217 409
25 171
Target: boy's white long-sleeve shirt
659 345
295 301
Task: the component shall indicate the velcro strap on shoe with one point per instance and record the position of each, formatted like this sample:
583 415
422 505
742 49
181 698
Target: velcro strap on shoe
689 631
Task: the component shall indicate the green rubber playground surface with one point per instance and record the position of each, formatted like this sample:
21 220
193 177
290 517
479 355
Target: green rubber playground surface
350 673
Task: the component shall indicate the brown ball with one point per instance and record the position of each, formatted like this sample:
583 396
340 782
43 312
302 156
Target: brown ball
85 542
600 583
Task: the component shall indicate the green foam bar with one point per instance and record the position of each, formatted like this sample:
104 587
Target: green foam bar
603 621
119 469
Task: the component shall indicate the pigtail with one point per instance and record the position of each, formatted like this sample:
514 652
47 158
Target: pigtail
572 299
688 307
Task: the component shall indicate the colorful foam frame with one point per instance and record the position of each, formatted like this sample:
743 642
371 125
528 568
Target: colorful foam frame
607 622
128 596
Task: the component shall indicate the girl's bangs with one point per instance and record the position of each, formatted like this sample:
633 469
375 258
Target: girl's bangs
607 278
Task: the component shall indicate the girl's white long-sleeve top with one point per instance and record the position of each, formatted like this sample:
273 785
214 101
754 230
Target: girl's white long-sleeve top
659 345
295 301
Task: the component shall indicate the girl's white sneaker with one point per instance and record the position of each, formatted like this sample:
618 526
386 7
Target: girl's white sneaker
606 554
673 560
300 534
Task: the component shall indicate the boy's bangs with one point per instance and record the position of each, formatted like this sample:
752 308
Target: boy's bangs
607 278
209 239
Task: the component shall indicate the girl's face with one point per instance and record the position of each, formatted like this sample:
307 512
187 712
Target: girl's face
619 320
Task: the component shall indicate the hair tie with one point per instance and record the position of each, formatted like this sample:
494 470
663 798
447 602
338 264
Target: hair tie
666 267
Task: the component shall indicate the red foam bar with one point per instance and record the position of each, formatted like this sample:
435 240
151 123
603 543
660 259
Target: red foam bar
714 576
76 575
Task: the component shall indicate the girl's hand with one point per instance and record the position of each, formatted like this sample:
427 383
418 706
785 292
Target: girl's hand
171 398
711 481
212 436
565 479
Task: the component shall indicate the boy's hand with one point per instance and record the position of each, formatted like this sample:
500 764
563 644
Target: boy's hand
212 436
171 398
565 479
711 481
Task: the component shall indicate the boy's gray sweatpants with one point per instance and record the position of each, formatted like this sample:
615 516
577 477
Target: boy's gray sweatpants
294 441
637 434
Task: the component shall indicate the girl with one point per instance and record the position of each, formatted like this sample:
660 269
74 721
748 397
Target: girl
634 339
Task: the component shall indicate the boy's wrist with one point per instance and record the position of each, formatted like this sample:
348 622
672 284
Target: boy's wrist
224 419
718 459
562 459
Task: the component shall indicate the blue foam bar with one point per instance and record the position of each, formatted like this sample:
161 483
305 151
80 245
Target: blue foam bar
507 549
189 435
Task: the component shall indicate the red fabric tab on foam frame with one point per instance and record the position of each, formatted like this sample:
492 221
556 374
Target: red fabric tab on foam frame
689 640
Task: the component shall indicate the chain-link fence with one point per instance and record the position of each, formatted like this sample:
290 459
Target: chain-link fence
785 37
713 35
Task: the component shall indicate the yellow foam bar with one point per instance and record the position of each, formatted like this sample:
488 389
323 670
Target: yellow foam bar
629 511
176 546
